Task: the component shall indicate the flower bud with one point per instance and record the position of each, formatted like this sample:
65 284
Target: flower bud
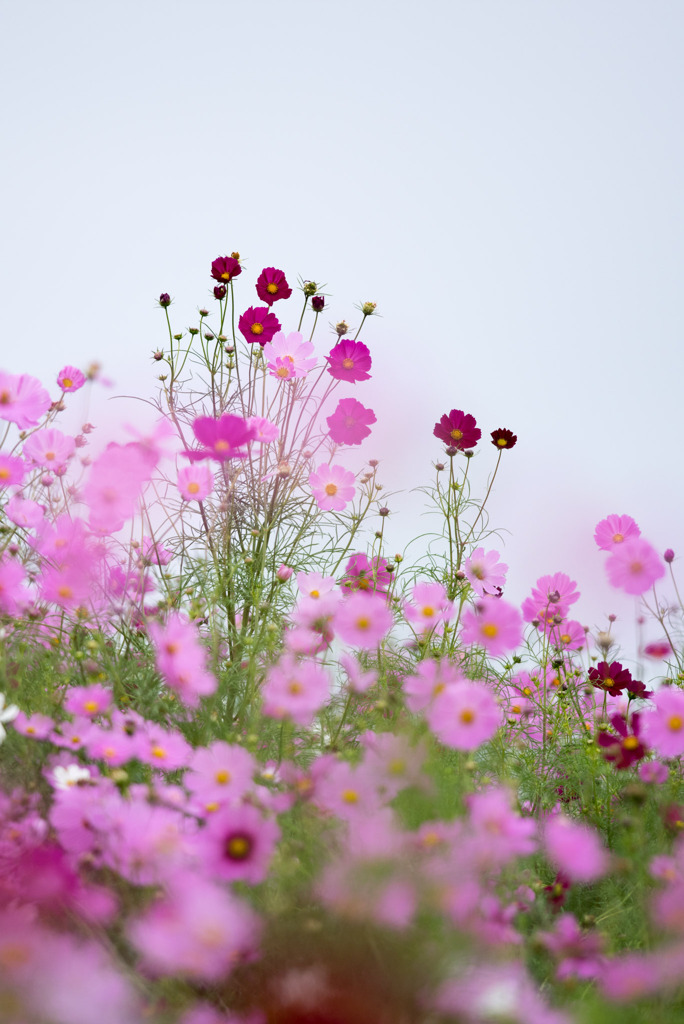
310 288
439 466
451 451
158 355
318 303
669 555
341 328
384 511
87 428
368 308
220 291
164 300
204 312
284 572
193 331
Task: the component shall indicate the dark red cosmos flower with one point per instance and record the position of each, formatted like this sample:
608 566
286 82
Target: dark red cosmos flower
223 438
615 679
555 893
626 748
258 324
503 438
225 268
458 430
272 285
349 360
318 303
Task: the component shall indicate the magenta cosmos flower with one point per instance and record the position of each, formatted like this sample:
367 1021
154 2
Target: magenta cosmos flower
332 487
634 566
70 379
615 530
458 430
464 715
23 399
350 422
223 438
367 575
225 268
237 844
493 624
272 285
574 849
258 323
349 360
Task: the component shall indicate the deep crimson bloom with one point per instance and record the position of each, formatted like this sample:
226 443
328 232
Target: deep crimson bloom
223 438
349 360
258 324
458 430
220 291
349 424
626 748
272 285
225 268
503 438
614 679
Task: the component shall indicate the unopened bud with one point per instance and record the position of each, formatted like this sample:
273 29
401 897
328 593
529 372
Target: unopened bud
204 312
384 511
318 303
284 572
164 300
310 288
368 308
193 331
439 466
158 355
669 555
341 328
220 292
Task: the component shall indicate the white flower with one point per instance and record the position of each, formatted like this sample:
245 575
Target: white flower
7 714
65 778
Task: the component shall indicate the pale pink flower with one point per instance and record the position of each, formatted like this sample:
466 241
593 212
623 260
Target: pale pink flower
24 512
284 573
615 530
485 573
663 727
114 485
13 596
314 585
430 679
221 770
358 681
429 606
70 379
181 659
493 624
634 566
332 487
23 400
264 430
49 448
196 481
363 620
289 356
575 849
464 716
295 689
12 470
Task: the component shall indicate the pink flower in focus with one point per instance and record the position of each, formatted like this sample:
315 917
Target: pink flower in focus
332 487
258 323
295 689
225 268
23 400
663 727
87 700
195 482
350 423
272 285
221 771
464 716
485 573
349 360
223 438
12 470
634 566
363 620
429 606
575 849
493 624
615 530
569 635
289 356
70 379
312 584
50 448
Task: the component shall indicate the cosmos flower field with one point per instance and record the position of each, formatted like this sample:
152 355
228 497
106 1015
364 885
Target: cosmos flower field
259 768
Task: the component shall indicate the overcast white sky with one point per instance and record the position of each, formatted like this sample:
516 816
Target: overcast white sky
504 177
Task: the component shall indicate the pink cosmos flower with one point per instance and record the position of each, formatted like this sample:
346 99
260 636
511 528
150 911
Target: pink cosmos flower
429 606
615 530
570 635
663 727
181 659
357 680
258 324
24 512
658 649
551 596
458 430
195 482
312 584
350 423
295 689
272 285
263 430
88 701
223 438
349 360
221 771
237 844
365 574
575 849
464 716
332 487
363 620
70 379
114 486
13 597
50 448
429 680
289 356
649 771
634 566
493 817
485 573
12 470
493 624
23 400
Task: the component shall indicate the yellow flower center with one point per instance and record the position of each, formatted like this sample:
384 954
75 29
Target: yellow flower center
331 489
565 638
65 591
222 776
225 276
193 487
501 442
314 593
397 766
294 688
221 445
67 382
490 630
238 847
636 567
363 584
428 611
350 796
631 743
363 622
4 473
618 538
158 752
348 364
271 288
49 456
257 328
675 723
90 705
467 716
282 371
456 434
